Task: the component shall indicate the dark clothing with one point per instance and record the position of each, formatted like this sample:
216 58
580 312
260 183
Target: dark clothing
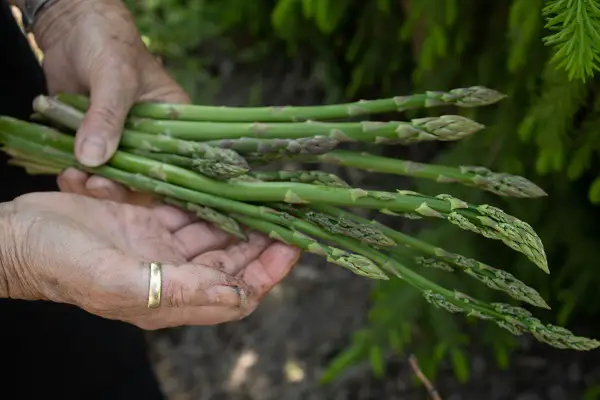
51 349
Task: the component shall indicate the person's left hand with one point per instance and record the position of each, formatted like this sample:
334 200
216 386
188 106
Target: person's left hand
93 47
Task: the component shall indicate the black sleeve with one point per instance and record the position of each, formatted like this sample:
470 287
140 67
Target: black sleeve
21 79
52 348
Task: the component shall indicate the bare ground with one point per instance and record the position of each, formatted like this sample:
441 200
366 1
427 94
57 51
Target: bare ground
280 350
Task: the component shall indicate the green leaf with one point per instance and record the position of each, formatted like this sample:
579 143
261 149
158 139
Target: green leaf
576 40
594 191
524 26
348 357
377 363
460 365
282 15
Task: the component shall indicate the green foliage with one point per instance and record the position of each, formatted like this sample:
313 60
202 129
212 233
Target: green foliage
576 24
547 130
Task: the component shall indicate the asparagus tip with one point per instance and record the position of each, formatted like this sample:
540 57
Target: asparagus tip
476 96
448 127
502 184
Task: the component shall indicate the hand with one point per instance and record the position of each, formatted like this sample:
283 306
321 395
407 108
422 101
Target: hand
94 47
87 252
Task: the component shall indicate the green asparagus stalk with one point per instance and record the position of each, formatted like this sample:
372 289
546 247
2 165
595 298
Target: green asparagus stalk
220 220
255 146
32 167
480 177
493 278
444 128
352 262
72 118
341 225
255 149
498 183
186 198
514 319
167 158
302 176
201 165
210 167
474 96
486 220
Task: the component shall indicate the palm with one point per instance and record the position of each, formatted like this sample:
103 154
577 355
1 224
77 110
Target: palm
106 241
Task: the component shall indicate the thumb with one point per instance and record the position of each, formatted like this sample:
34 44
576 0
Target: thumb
113 92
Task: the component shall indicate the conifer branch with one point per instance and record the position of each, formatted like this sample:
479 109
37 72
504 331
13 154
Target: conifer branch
576 37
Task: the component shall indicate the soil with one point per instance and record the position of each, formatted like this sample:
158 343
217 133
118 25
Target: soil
279 351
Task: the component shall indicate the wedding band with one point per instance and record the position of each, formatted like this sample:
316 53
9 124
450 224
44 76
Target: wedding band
155 286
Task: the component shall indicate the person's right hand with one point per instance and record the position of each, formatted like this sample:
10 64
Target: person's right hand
87 252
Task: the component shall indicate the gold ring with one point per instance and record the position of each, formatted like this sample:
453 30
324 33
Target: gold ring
155 286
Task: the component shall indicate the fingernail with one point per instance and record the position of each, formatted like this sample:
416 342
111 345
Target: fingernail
93 150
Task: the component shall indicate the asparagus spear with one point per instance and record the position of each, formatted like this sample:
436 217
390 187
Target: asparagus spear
444 128
258 150
167 158
220 220
302 176
486 220
353 262
514 319
201 165
474 96
498 183
494 278
311 177
71 117
341 225
255 146
201 202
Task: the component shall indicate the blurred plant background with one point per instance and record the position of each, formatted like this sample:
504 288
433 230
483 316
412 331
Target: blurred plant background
542 54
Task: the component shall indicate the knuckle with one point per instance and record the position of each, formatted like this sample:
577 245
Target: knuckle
107 116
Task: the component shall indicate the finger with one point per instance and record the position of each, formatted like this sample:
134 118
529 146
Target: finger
200 237
173 218
113 91
235 257
72 180
63 184
198 285
125 283
269 269
104 188
189 316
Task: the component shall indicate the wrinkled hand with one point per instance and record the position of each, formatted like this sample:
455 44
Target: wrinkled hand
93 47
88 252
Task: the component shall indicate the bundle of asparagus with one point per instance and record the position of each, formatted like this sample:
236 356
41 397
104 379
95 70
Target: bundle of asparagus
203 158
